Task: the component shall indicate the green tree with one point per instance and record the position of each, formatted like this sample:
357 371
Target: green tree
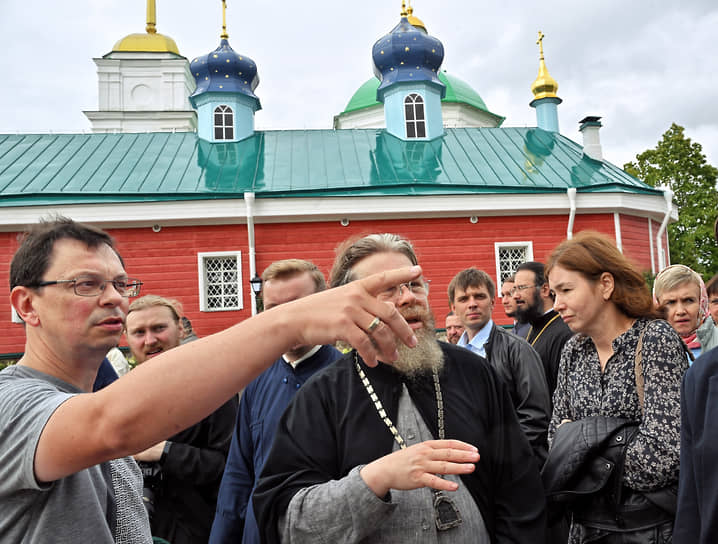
680 164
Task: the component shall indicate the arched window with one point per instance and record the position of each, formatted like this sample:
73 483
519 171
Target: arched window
414 113
223 123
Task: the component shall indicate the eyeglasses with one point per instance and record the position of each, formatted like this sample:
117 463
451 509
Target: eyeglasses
90 286
418 288
517 288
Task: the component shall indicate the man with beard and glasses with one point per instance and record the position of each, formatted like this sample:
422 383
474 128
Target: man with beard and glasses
423 449
507 301
534 305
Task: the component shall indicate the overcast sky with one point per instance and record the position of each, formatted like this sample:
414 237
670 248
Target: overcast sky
640 64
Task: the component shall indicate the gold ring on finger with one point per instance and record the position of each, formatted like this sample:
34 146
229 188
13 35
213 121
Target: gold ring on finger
373 325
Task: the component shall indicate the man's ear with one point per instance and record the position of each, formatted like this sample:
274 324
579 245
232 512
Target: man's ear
22 299
545 290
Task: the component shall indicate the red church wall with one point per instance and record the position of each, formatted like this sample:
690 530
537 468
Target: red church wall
12 337
636 241
444 246
167 261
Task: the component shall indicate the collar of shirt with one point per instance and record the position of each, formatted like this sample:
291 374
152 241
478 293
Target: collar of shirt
302 358
477 342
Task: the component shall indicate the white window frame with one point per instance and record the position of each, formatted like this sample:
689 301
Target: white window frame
498 246
201 258
412 100
227 114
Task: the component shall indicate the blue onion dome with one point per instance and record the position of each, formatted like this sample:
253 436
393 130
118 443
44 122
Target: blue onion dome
407 53
224 70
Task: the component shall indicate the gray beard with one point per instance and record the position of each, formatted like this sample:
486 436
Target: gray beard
427 355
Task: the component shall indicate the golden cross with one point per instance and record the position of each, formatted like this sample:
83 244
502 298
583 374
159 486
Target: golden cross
539 42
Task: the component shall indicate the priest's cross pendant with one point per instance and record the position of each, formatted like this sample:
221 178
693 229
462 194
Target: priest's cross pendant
446 513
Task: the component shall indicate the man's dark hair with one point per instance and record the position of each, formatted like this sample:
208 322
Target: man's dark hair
471 277
537 268
32 259
712 286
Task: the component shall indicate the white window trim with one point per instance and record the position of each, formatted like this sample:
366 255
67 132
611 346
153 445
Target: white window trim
230 110
203 283
414 121
502 245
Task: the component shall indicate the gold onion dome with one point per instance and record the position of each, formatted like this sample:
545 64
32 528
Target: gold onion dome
147 42
151 40
545 86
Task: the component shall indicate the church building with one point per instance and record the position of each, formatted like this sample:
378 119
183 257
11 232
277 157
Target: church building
200 202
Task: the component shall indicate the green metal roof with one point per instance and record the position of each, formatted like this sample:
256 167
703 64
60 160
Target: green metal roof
162 166
457 90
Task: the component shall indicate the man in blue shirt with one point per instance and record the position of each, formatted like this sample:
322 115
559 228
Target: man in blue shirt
262 404
471 296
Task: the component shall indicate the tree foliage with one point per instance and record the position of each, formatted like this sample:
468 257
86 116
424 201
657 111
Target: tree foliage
680 164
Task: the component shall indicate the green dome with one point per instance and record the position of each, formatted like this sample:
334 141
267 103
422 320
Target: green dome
456 91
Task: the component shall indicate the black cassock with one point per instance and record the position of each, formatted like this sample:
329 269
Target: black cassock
331 426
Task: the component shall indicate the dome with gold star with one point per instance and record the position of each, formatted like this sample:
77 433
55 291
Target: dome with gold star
224 70
407 54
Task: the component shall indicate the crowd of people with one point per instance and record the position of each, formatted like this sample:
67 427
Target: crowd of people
588 419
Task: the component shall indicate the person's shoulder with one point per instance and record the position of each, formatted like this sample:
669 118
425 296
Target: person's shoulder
327 354
18 376
704 367
509 336
657 326
341 366
465 359
660 330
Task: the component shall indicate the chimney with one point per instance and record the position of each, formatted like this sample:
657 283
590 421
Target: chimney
589 127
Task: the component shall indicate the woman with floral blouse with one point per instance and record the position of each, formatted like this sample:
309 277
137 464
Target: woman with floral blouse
603 298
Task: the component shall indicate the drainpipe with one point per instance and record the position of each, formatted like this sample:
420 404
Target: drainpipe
571 193
249 201
668 195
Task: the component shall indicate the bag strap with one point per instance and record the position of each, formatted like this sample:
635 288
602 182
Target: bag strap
638 369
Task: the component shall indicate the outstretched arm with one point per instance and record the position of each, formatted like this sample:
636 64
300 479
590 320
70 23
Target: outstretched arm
172 392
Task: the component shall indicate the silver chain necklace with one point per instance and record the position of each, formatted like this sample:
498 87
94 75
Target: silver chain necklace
446 514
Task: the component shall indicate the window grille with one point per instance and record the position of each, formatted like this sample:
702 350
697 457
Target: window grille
223 123
509 256
220 281
415 118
